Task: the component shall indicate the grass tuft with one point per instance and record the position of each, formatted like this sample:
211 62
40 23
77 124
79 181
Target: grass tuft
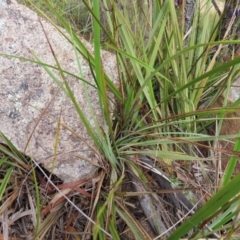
159 177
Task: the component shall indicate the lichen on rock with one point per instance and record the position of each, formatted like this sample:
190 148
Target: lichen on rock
32 103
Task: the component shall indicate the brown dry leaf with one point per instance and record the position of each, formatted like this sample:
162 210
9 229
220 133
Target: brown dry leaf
59 195
83 192
69 228
42 181
10 200
72 185
75 186
70 219
59 199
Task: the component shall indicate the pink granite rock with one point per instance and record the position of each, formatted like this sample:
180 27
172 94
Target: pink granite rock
31 102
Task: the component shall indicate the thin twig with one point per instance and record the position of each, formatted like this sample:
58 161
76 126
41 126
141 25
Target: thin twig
216 7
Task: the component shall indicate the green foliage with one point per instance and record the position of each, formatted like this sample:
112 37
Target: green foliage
164 76
217 204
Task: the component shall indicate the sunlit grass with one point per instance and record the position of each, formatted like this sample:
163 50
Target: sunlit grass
165 75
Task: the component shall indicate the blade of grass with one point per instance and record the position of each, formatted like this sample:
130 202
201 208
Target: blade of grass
225 194
136 229
231 164
101 81
5 181
14 153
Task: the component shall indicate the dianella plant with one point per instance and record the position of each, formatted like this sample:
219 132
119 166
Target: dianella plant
174 60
